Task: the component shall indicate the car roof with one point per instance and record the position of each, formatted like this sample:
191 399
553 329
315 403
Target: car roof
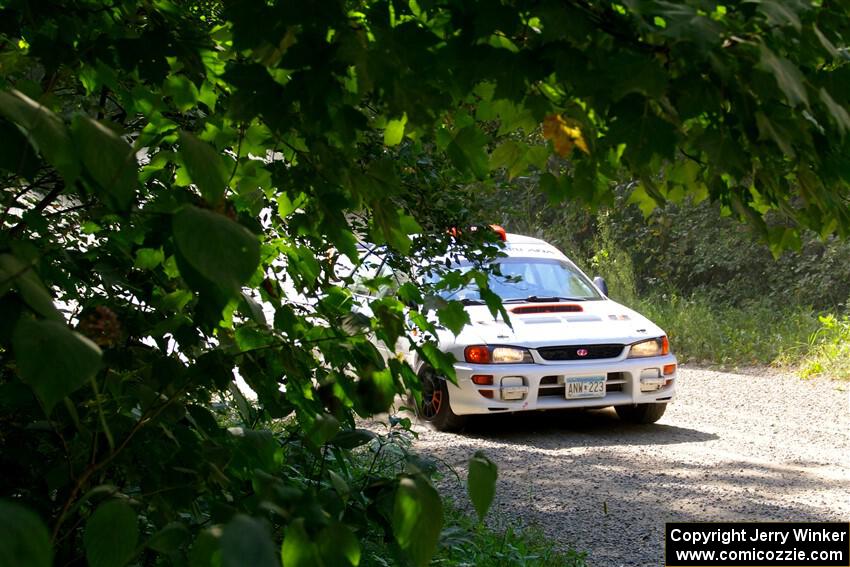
522 239
521 246
518 246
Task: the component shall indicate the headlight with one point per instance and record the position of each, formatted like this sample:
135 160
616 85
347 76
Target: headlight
652 347
483 354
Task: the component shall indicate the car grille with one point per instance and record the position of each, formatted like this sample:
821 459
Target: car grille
572 352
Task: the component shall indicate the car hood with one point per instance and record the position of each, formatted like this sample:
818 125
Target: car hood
539 325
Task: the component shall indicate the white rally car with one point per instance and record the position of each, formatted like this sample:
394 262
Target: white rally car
568 346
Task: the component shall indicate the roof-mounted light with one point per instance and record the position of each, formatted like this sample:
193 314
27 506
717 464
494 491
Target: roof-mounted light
503 236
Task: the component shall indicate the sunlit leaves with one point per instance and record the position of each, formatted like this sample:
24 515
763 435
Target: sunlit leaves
394 131
54 360
339 546
298 549
111 534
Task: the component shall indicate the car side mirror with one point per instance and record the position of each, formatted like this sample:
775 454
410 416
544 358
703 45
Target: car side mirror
600 284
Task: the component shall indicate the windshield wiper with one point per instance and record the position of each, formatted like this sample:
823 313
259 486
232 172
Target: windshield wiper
541 299
469 301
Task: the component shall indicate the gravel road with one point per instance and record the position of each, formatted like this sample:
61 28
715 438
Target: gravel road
733 447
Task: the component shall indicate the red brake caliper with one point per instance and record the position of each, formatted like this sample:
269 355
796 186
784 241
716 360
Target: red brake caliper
436 399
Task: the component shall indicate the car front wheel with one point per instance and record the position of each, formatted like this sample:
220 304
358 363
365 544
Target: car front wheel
641 413
435 408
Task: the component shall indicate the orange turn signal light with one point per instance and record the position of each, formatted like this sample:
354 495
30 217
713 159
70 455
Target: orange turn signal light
665 347
482 379
669 369
477 354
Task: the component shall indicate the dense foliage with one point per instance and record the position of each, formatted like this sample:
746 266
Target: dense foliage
184 185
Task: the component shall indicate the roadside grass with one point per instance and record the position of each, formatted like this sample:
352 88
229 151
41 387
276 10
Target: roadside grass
757 333
829 349
467 543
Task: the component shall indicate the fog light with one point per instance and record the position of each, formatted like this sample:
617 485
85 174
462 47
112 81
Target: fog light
513 388
651 380
486 393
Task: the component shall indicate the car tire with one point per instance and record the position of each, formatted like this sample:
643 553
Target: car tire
435 408
641 413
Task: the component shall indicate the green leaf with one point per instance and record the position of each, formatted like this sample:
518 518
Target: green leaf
643 200
468 153
442 362
481 483
453 316
323 429
25 280
109 160
54 360
221 250
24 540
297 549
206 549
16 154
770 131
149 258
170 538
45 131
338 545
111 534
839 113
509 155
824 41
183 92
353 438
417 518
205 167
394 131
246 541
787 75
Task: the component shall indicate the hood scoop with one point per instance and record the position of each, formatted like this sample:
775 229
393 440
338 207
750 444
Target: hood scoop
547 308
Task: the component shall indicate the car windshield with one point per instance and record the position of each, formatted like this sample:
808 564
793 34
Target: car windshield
530 279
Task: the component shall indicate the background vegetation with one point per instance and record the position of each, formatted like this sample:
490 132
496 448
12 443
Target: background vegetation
184 184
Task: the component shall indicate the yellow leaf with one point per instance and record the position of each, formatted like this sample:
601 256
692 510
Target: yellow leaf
565 135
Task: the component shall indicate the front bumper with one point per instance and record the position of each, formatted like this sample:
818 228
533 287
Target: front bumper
628 381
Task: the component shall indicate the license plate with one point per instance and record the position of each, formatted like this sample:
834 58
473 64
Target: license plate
585 387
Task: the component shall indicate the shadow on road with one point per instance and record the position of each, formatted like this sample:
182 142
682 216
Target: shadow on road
589 428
